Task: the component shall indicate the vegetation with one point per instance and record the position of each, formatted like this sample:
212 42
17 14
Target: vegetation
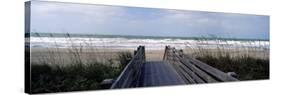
74 69
124 58
78 67
247 68
249 62
46 78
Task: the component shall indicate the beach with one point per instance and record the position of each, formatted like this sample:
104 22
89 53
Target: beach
59 48
63 55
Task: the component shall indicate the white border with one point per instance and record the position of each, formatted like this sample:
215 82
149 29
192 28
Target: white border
12 46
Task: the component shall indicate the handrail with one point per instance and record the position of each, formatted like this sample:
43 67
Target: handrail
191 68
129 77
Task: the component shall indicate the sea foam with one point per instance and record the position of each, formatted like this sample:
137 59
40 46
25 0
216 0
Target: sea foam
125 43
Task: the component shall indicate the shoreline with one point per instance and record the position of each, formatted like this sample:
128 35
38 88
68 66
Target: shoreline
100 54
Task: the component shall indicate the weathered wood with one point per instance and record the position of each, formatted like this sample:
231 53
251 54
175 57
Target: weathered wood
215 72
129 77
160 73
211 70
191 70
186 76
196 70
187 68
199 71
186 73
195 77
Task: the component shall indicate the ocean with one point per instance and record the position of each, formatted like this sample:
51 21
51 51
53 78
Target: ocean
132 42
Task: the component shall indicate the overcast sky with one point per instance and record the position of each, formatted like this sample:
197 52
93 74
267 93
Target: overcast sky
111 20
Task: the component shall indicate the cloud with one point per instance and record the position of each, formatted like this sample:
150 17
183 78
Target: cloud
99 19
83 11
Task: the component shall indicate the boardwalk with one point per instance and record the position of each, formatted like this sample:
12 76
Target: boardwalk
176 68
159 73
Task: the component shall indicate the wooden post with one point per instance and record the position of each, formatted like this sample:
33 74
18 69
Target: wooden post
181 53
135 52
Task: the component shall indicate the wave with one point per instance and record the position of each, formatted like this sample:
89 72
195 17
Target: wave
121 43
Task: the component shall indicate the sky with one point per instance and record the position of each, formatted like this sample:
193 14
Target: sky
54 17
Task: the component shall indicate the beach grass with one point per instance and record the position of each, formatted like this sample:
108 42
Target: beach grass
79 70
249 63
247 68
47 78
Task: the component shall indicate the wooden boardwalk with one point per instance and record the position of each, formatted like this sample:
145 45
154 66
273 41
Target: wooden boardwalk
176 68
159 73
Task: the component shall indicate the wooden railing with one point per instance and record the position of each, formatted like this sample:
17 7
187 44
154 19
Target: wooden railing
192 70
130 76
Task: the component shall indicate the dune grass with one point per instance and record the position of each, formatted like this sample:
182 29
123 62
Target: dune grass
247 68
52 73
46 78
249 62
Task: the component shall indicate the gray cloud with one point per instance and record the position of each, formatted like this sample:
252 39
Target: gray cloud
98 19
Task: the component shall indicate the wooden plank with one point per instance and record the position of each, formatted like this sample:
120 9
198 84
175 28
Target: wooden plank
199 72
217 74
189 76
196 70
192 74
187 71
171 58
213 71
160 73
183 75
